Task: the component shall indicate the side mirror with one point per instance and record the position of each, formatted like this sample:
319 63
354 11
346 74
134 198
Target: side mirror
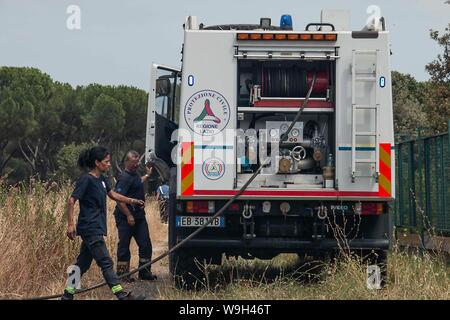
163 87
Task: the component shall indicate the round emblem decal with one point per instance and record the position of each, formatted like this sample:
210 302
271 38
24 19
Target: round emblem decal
207 112
213 168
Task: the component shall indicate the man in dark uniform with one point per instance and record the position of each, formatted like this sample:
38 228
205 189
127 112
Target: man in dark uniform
130 220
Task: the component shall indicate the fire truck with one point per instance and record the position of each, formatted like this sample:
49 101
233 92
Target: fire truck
304 116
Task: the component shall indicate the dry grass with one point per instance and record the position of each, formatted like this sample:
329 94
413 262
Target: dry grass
36 253
35 250
287 277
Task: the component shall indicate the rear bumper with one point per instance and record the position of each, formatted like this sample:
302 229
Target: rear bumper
286 244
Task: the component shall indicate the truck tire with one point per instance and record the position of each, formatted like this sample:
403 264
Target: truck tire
161 167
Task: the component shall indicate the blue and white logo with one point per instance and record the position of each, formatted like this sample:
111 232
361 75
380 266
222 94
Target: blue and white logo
207 112
213 168
382 82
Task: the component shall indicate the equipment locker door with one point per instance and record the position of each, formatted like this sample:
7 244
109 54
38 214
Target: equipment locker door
163 112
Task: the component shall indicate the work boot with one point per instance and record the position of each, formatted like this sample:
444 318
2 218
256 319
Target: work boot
124 295
68 294
123 267
146 273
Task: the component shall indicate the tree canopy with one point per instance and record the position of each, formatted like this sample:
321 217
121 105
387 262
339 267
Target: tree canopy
44 121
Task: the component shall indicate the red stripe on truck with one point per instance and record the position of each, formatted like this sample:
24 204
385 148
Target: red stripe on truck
289 193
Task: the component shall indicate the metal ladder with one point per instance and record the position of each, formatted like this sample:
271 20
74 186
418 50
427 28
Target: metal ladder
372 78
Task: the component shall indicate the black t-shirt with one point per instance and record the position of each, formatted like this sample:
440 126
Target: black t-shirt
130 185
91 192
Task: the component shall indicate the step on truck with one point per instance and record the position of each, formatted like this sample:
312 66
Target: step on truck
308 112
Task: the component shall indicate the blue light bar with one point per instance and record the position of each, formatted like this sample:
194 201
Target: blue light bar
286 22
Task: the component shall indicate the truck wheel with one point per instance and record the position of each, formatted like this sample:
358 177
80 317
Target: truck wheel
161 167
185 269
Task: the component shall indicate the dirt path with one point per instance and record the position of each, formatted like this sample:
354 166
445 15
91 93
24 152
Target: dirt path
158 234
151 288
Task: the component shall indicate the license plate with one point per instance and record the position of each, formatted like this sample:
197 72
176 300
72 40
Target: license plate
189 221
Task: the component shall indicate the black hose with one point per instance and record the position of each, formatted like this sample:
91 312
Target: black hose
243 188
285 135
193 234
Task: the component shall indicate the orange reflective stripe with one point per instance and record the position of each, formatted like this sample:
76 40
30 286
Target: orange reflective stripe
385 178
187 168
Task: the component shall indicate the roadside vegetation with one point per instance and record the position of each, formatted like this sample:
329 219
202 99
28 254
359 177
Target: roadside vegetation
36 254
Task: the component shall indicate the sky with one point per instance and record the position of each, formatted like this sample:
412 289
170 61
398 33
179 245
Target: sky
119 40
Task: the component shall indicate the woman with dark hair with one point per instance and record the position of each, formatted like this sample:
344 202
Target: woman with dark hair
91 190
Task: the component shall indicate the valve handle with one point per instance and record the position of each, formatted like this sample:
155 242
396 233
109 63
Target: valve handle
298 153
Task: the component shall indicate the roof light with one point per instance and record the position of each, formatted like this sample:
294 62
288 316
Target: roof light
243 36
305 37
255 36
287 36
331 37
286 22
318 36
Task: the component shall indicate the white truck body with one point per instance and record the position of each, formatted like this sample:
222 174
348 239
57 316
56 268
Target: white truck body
362 78
307 114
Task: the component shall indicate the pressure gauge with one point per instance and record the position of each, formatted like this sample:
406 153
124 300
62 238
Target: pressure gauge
295 132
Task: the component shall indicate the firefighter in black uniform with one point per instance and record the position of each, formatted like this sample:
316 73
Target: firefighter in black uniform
91 191
130 220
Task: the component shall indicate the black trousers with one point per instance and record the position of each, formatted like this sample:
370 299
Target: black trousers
94 248
140 234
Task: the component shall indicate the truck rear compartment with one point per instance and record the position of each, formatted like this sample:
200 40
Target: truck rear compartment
270 95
